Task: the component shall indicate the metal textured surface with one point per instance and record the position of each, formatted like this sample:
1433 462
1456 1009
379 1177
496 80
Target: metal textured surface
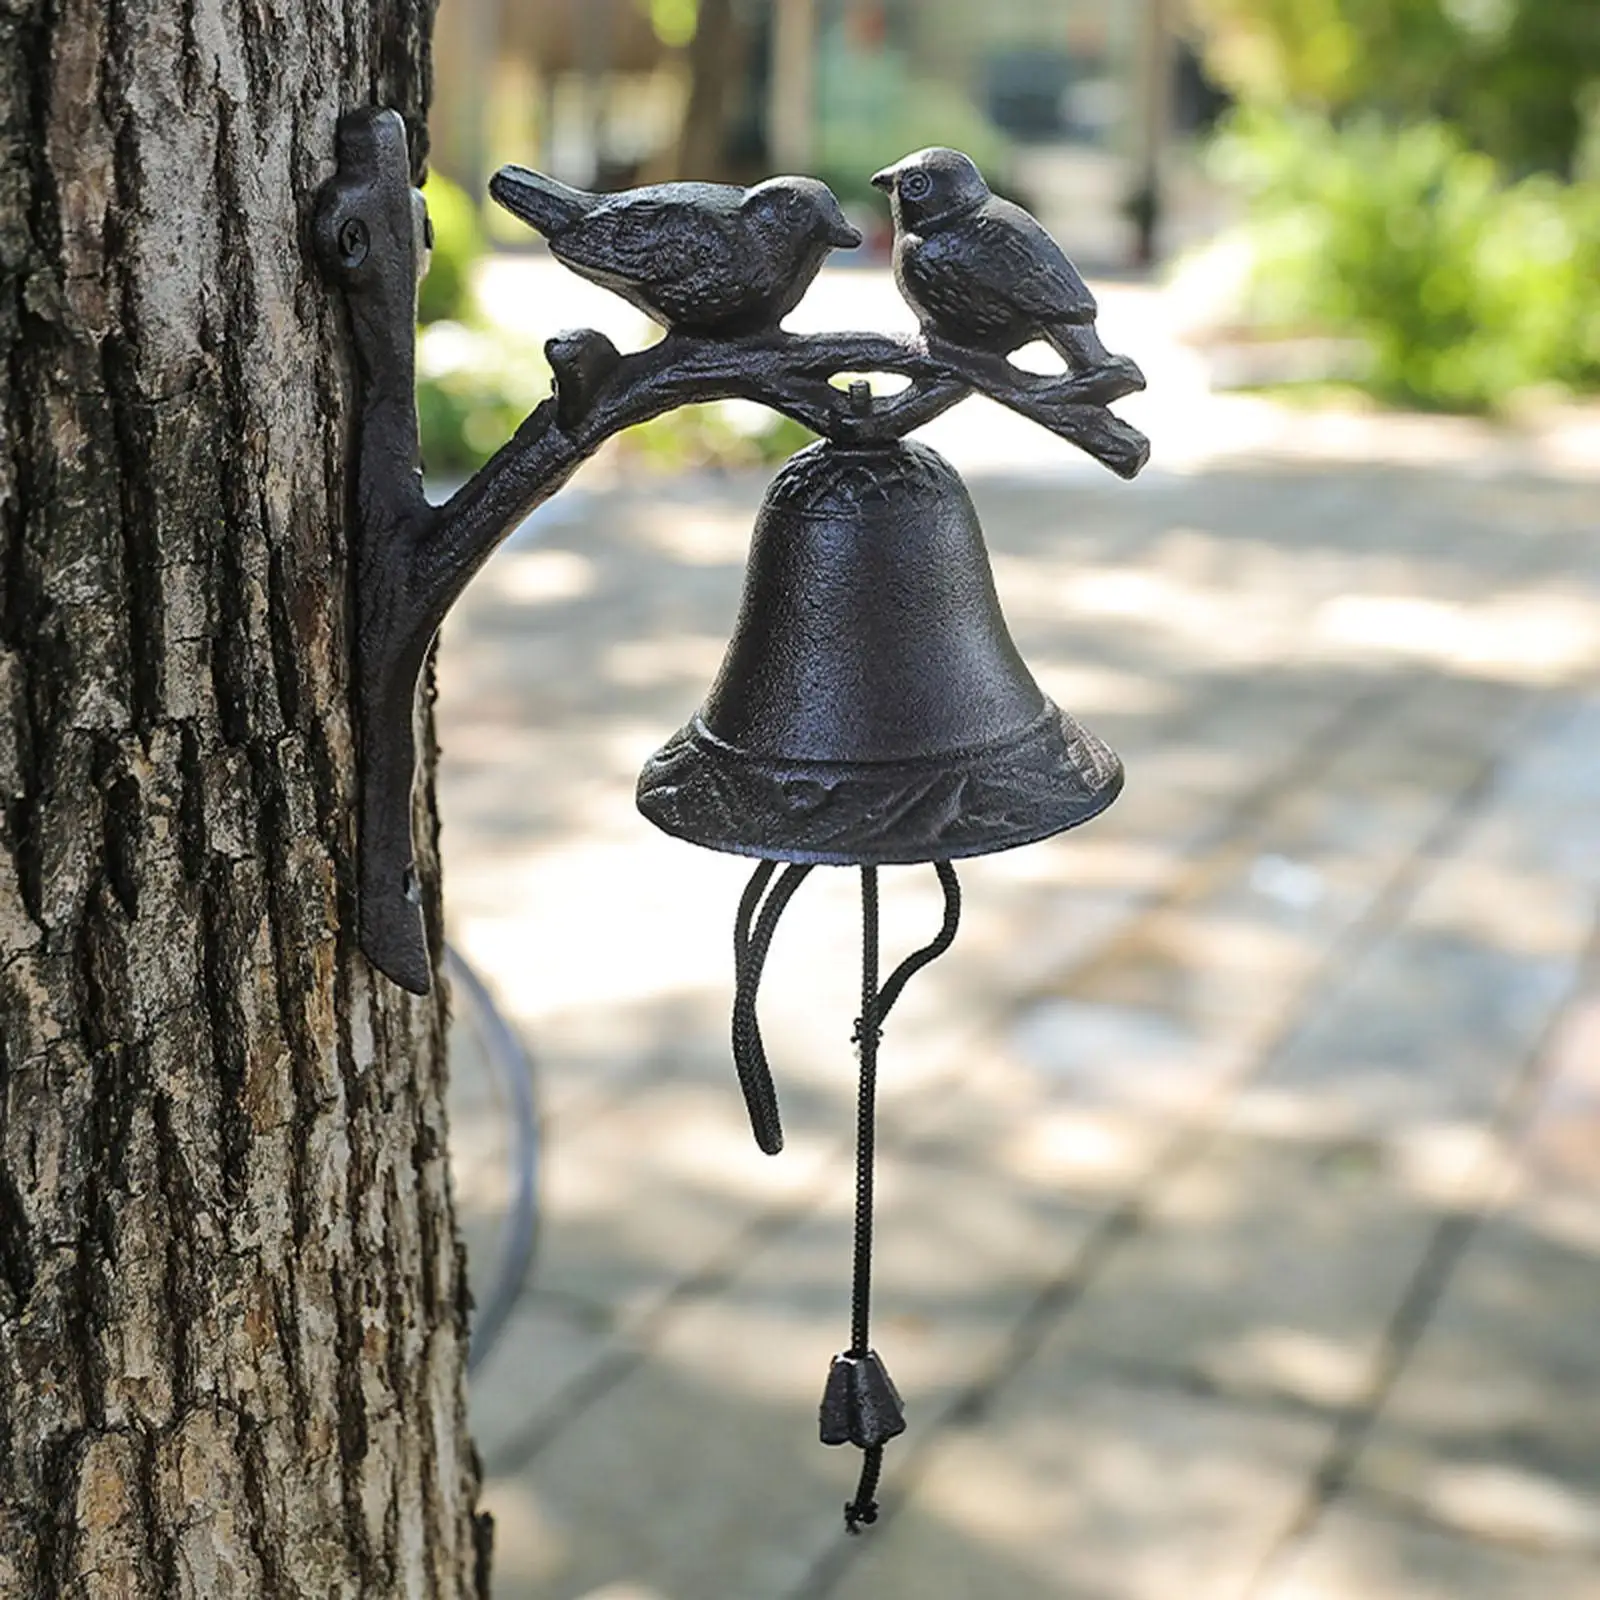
860 1404
943 809
704 257
872 708
979 270
371 231
718 267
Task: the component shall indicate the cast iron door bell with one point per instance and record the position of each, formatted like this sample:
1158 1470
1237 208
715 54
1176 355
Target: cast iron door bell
872 709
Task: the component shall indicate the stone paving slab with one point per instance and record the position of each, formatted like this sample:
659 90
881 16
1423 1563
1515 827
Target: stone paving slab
1215 973
1284 1303
729 1396
1087 1488
1294 1301
1491 1428
552 1354
1432 1027
1359 1551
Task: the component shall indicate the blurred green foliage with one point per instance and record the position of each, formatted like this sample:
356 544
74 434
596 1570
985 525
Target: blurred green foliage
446 291
1465 285
674 21
1423 175
851 148
475 386
1518 78
719 437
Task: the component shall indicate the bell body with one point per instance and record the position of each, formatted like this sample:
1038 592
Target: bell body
872 708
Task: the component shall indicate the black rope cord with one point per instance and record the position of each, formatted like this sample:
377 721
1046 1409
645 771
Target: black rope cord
863 1509
866 1037
876 1003
860 1405
749 958
917 960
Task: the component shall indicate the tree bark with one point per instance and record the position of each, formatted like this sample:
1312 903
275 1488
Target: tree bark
232 1299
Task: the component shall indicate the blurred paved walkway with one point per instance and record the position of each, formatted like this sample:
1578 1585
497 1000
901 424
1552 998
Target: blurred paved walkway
1240 1222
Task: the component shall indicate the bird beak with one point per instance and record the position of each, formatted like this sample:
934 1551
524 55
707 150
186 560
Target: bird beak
844 236
884 180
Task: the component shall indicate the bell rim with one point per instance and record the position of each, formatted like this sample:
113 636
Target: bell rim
885 813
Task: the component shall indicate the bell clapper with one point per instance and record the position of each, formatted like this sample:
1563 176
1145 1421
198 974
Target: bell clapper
860 1404
863 1509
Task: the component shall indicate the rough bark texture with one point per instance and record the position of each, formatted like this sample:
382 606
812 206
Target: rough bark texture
232 1305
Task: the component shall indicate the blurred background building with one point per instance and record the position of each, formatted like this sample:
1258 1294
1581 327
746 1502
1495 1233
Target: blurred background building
1397 198
1079 107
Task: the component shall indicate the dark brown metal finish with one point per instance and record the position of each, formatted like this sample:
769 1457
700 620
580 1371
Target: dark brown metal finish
871 708
980 271
371 234
860 1404
704 257
413 559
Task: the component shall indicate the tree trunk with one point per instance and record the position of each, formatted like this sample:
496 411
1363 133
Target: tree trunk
232 1302
714 55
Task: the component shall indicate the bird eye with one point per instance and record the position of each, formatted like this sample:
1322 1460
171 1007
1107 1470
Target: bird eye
916 185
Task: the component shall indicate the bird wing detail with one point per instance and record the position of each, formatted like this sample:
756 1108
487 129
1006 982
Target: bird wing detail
655 242
1028 267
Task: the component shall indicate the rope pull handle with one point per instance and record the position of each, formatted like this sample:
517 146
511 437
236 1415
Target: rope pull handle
752 939
862 1511
860 1404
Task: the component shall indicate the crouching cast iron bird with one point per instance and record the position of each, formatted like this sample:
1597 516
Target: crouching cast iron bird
703 257
978 270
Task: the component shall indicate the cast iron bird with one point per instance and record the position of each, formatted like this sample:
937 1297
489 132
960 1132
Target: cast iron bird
704 257
978 270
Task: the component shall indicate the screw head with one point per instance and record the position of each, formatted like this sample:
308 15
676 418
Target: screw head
354 242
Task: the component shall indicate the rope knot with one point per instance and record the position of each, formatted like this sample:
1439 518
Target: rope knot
858 1516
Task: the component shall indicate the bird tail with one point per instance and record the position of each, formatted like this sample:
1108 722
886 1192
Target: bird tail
1077 343
541 202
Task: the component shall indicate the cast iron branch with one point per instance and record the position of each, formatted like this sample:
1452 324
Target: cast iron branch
414 559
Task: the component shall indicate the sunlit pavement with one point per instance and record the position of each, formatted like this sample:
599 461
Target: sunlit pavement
1240 1224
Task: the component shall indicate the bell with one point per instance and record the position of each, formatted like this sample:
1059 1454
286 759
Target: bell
871 708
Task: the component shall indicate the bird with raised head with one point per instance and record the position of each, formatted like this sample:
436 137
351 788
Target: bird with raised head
978 270
707 258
